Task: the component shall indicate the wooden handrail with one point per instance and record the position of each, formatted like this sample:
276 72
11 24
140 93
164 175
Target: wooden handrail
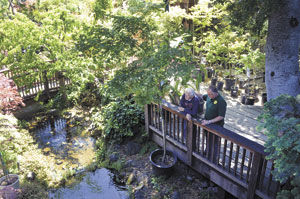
220 131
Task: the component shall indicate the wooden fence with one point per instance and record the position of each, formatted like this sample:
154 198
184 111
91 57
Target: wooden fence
235 163
42 84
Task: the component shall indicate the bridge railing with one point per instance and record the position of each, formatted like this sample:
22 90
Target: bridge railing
231 161
41 84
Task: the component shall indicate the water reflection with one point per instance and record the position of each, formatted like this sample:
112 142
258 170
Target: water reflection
96 185
63 140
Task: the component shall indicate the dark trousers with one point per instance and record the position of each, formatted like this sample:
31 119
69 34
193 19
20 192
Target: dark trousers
212 146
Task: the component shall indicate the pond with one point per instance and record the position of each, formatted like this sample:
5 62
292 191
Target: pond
95 185
60 138
71 147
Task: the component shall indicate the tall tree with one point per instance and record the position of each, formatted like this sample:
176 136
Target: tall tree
283 39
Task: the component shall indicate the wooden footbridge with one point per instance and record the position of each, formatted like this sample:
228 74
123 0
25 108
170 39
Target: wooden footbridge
44 84
239 165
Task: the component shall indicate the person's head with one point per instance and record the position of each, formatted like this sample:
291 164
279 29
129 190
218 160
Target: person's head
189 93
212 92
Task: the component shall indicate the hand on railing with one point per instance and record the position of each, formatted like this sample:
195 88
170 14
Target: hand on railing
188 117
205 122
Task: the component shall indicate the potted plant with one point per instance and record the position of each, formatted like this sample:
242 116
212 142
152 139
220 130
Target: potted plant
253 60
264 98
234 91
154 72
162 160
8 180
162 167
220 85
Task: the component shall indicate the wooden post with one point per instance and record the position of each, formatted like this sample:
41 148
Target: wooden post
147 118
61 80
46 85
190 142
255 173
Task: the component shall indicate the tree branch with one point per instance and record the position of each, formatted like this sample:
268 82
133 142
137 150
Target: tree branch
11 6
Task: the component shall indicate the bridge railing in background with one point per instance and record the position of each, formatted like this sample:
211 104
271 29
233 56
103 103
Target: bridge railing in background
42 84
235 163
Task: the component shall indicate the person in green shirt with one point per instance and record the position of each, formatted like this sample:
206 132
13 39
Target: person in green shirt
215 107
214 114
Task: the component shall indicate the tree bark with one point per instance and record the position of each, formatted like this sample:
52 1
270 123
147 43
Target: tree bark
282 50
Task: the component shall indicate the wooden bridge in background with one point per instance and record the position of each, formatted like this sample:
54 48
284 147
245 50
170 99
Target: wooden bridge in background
240 166
43 84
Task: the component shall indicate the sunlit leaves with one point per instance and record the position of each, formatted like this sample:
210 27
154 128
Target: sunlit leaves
143 77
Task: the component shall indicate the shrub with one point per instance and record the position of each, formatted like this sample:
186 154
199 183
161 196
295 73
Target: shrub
281 123
121 119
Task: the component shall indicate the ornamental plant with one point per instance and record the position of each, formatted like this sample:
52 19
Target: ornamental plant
10 99
121 119
281 123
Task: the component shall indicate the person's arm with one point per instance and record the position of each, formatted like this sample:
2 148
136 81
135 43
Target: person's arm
221 114
194 110
216 119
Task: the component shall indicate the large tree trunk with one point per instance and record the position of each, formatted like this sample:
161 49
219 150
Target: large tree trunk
282 50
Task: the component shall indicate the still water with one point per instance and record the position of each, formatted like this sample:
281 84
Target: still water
62 139
95 185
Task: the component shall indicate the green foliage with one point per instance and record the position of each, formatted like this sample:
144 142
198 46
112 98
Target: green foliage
156 182
175 93
118 165
120 119
101 149
281 123
143 77
254 59
111 46
101 7
33 191
251 15
42 39
207 20
4 8
9 164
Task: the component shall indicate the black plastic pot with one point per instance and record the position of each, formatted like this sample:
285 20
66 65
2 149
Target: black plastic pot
162 170
250 101
229 83
209 72
243 99
213 81
264 98
234 91
203 76
220 85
